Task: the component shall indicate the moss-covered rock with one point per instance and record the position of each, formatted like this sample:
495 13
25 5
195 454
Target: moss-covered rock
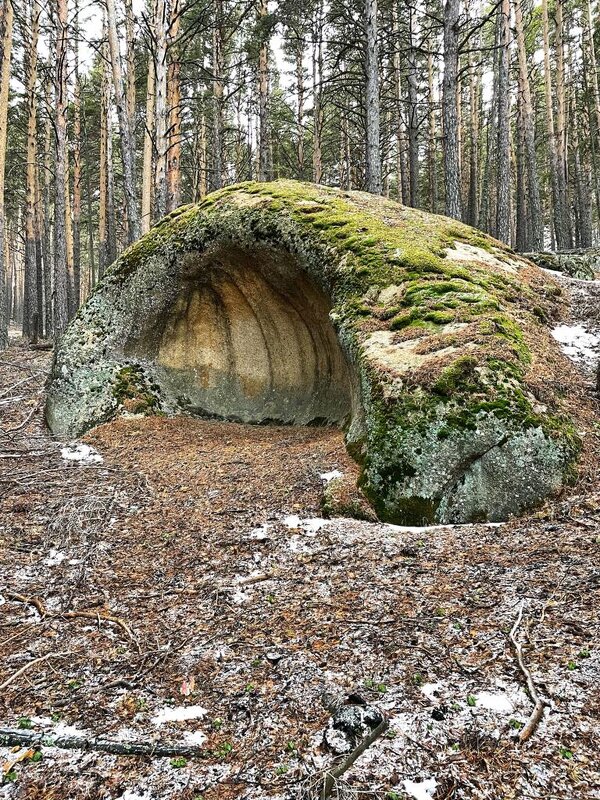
580 264
285 301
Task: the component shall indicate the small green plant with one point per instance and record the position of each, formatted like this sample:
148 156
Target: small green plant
11 776
571 665
249 688
418 679
223 750
566 753
179 762
75 684
392 796
455 706
291 747
369 683
585 653
24 723
282 769
391 734
515 724
381 688
270 598
37 756
471 700
217 723
56 716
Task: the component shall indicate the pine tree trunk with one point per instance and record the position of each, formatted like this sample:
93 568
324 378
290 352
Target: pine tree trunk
148 156
61 307
317 74
450 111
30 302
218 69
558 197
373 152
6 29
174 112
413 118
126 134
503 231
561 132
263 101
76 174
526 119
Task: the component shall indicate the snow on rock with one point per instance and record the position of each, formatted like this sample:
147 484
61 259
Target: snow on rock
578 344
178 714
495 702
310 526
82 453
420 790
329 476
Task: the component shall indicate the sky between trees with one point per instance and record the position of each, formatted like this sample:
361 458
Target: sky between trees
114 113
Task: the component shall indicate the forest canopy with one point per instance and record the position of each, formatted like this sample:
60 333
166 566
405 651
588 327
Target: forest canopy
115 113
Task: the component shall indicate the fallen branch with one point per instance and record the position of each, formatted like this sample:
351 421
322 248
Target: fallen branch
334 774
96 615
12 738
539 704
30 601
28 666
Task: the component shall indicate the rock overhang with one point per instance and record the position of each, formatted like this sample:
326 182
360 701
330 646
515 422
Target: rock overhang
294 303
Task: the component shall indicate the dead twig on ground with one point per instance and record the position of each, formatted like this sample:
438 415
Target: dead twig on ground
30 601
29 665
539 704
11 738
334 774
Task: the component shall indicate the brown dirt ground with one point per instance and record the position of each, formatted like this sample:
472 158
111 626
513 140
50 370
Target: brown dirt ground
197 594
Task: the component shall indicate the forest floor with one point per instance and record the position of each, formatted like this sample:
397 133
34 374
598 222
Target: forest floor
176 583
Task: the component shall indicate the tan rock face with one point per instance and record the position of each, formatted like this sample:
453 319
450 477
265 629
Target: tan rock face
249 336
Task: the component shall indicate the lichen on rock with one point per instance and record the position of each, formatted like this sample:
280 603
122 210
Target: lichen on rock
288 302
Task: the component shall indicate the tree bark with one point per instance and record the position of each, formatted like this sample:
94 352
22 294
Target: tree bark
526 119
174 112
6 29
218 69
503 228
373 151
148 155
126 136
264 171
450 110
61 307
30 302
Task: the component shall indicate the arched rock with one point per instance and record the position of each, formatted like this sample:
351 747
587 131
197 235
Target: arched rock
421 337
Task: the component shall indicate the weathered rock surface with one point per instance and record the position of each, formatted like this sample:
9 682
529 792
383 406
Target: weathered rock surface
424 339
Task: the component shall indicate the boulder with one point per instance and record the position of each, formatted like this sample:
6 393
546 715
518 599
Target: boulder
423 339
580 264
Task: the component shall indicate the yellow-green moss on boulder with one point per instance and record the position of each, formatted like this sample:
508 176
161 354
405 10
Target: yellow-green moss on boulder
294 303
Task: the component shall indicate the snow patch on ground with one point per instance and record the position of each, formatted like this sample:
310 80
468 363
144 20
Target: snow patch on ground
178 714
195 737
54 558
310 526
580 345
82 453
420 790
495 702
431 690
329 476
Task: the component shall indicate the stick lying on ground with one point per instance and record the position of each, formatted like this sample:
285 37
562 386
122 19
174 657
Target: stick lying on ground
539 704
332 775
10 738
